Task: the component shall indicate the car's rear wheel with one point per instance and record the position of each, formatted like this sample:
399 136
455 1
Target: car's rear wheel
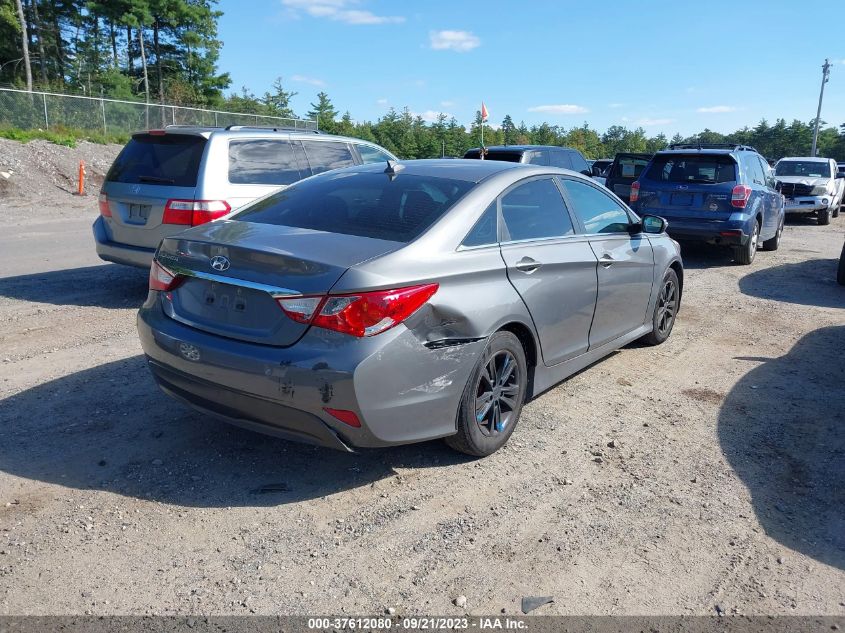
493 397
665 309
744 254
773 243
824 217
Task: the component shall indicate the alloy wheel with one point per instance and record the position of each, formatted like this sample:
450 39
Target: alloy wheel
497 393
667 306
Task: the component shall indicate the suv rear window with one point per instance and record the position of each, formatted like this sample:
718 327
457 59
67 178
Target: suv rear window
263 162
362 204
169 159
629 167
692 168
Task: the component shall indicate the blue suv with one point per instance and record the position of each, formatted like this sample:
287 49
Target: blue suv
720 194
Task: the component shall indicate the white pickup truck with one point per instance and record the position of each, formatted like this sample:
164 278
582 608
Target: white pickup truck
811 185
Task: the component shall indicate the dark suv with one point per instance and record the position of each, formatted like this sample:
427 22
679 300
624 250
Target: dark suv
720 194
548 155
624 170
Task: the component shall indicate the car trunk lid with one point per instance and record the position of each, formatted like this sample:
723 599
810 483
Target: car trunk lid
235 271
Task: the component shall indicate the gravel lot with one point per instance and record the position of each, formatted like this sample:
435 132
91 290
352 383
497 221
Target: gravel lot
704 475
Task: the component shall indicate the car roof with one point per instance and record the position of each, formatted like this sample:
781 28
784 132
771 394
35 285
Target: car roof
246 130
467 169
519 148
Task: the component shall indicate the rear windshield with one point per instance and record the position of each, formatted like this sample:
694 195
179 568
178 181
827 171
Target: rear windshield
693 168
170 159
628 167
362 204
810 169
510 157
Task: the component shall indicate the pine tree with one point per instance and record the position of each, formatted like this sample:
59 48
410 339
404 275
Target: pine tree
323 112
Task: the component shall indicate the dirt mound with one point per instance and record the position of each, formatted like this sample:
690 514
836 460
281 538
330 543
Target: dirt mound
40 168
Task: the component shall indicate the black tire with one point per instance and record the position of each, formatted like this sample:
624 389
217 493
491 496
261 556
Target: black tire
835 212
744 254
840 273
665 309
501 379
824 217
773 244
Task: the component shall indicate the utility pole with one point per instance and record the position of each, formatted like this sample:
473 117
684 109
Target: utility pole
825 79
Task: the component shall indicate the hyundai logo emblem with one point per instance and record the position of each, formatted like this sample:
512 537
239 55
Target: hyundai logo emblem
220 263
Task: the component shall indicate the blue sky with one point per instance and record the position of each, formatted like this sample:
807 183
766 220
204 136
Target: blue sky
666 66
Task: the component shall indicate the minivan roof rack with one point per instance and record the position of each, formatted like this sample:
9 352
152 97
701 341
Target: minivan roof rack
274 128
732 146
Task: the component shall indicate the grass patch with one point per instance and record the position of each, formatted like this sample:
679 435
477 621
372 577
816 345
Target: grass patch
59 135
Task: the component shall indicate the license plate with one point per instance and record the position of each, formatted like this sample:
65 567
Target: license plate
139 213
682 198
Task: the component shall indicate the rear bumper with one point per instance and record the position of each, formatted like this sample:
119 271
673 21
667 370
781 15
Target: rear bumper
117 252
400 390
721 233
807 204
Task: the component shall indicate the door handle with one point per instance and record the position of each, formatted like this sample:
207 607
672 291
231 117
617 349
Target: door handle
527 265
606 260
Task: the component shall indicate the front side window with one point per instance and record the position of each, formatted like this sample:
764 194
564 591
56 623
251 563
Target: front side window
362 204
579 163
372 155
325 155
535 210
263 162
598 212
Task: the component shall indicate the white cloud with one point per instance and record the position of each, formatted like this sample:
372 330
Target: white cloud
459 41
308 80
717 109
563 108
382 102
652 122
430 116
340 11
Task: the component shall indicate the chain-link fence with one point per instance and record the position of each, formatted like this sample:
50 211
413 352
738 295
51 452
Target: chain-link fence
45 110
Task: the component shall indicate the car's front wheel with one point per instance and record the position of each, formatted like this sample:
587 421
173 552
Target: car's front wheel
744 254
824 217
493 397
665 309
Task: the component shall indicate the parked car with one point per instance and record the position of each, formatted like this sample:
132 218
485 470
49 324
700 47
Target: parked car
546 155
840 168
164 181
623 171
840 273
375 306
811 186
720 194
600 166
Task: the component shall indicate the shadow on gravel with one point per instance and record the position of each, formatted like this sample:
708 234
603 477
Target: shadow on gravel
110 428
697 255
106 286
810 282
782 429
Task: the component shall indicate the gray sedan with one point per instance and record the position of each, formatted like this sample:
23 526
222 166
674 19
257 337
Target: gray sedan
400 302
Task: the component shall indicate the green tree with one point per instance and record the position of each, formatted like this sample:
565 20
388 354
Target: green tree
323 112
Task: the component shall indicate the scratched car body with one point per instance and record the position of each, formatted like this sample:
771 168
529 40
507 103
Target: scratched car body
399 302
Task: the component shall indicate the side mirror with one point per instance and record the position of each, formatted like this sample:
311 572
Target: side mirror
596 171
653 224
587 172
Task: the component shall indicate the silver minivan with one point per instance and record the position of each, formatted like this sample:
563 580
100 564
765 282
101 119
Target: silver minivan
165 181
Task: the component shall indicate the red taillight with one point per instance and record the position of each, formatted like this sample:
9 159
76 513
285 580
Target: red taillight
363 314
156 132
635 191
163 279
194 212
740 196
103 203
347 417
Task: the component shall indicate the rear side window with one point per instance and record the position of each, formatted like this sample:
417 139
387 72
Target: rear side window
168 159
598 212
485 230
372 155
753 169
323 156
694 168
560 159
362 204
535 210
538 158
263 162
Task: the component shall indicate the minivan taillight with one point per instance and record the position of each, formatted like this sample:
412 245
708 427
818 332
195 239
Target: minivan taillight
162 279
360 314
194 212
635 191
103 203
740 196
